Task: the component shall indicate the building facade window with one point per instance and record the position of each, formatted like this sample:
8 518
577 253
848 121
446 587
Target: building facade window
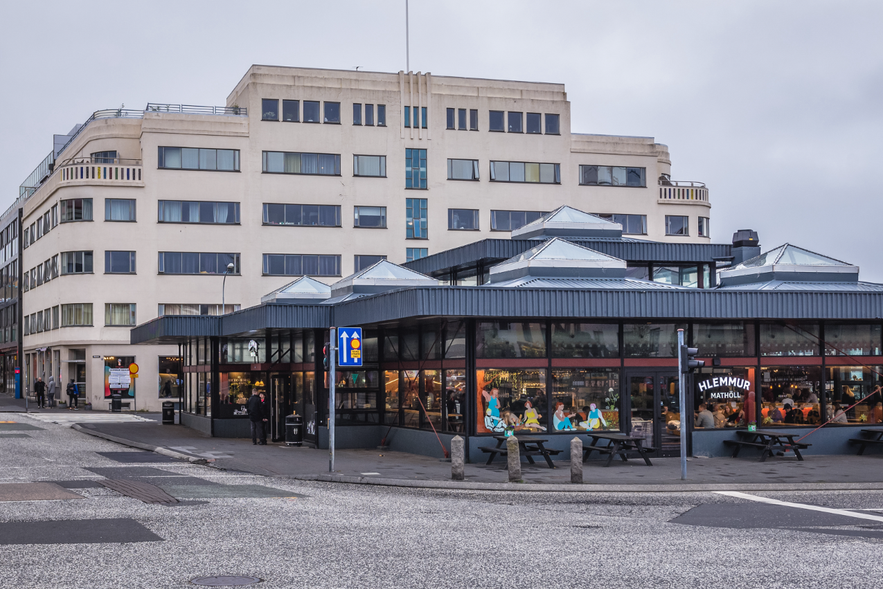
461 119
311 111
119 314
119 209
104 157
677 225
369 165
332 112
291 111
76 314
203 212
302 215
463 169
552 124
76 263
612 176
463 219
496 121
515 122
76 209
197 158
703 227
371 217
269 109
473 119
381 115
449 118
415 253
312 164
525 172
631 224
511 220
197 263
416 218
301 265
369 115
362 261
195 309
357 113
534 123
415 169
119 262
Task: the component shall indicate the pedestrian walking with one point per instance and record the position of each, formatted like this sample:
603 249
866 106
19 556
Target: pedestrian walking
40 391
72 393
50 391
258 414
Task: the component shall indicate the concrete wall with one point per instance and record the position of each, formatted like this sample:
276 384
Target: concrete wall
197 422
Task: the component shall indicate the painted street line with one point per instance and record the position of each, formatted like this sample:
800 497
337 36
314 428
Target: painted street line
191 450
68 420
843 512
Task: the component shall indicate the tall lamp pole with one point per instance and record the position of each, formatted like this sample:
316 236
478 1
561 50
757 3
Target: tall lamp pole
230 268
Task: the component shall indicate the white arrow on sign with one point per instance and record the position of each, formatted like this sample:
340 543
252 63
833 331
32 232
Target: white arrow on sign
345 338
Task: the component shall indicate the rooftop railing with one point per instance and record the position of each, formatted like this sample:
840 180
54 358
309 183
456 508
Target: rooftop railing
190 109
681 190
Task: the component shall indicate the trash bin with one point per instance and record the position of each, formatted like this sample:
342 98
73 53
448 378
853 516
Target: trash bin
294 430
168 413
116 403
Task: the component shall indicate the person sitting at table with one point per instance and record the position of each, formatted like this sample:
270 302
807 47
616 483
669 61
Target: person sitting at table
493 423
720 415
774 414
840 415
560 419
812 416
531 419
794 415
704 418
594 418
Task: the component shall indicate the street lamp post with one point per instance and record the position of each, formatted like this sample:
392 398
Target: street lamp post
230 268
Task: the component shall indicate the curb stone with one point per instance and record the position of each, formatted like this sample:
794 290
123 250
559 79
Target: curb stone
140 446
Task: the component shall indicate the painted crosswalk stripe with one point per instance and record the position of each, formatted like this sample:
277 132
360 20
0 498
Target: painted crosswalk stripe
843 512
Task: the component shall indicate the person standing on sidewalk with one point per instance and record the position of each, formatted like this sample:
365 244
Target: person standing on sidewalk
40 391
72 393
50 391
255 407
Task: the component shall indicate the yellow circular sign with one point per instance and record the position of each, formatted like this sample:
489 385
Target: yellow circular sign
355 344
133 368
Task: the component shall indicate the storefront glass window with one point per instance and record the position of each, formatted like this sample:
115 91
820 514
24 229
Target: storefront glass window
790 396
117 362
433 399
391 347
511 340
647 340
410 396
297 349
391 387
724 339
369 349
852 340
455 344
785 340
455 400
309 347
432 344
585 340
357 379
511 398
849 390
243 351
409 345
234 390
586 399
727 395
170 377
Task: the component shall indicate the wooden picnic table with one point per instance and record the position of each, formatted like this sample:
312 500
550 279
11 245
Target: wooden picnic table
874 438
529 447
768 441
617 444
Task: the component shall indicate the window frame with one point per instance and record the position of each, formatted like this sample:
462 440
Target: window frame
63 204
161 263
557 118
358 266
161 159
556 172
318 106
476 218
84 309
473 119
325 120
264 111
413 229
703 227
450 118
686 226
108 310
296 118
108 254
265 214
265 163
422 172
476 173
133 208
161 206
583 170
357 114
490 124
494 213
539 122
357 217
381 165
265 264
83 257
509 121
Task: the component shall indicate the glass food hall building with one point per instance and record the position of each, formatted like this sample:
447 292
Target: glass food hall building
564 328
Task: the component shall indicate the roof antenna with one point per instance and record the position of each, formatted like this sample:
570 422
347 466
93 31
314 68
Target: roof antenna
407 41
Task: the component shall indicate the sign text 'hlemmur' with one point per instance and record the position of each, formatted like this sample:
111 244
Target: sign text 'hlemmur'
725 381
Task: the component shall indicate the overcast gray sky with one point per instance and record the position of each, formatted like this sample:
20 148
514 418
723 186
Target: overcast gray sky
775 105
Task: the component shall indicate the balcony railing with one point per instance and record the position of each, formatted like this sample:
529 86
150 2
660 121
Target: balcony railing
190 109
100 170
671 190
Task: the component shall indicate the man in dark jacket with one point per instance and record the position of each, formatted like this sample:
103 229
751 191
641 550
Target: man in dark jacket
259 414
40 390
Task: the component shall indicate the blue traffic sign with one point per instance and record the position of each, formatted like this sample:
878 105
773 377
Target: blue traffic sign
349 346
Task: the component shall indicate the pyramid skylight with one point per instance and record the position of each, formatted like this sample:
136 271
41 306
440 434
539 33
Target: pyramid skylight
302 289
559 258
382 275
568 222
789 263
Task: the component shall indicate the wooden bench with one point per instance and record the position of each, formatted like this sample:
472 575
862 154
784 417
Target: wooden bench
864 443
769 447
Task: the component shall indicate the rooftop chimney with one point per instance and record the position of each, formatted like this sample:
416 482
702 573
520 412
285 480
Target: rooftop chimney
746 245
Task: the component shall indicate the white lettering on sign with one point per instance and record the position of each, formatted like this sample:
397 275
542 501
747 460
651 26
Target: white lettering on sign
725 381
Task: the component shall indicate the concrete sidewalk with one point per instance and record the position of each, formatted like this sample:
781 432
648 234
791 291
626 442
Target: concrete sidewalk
411 470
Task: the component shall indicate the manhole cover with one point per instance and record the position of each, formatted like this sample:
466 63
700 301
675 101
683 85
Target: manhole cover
225 581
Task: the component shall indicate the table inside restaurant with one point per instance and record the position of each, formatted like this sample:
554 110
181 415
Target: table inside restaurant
617 444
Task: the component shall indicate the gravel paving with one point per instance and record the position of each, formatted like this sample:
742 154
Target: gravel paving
334 535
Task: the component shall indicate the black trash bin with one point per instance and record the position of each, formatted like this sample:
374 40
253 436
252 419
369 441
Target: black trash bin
116 403
168 413
294 430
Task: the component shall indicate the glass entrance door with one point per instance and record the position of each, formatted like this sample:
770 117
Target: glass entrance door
654 410
280 404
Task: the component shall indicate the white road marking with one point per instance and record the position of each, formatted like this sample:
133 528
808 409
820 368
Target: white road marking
192 450
68 419
843 512
371 474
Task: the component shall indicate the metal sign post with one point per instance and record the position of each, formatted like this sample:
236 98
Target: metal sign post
332 404
682 400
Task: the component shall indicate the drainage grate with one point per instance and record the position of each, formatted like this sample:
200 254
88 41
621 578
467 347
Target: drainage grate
142 491
225 581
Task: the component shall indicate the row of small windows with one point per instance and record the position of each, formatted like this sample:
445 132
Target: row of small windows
81 262
291 112
78 315
514 122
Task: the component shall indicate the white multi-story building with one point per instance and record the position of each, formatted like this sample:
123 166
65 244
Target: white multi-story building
316 172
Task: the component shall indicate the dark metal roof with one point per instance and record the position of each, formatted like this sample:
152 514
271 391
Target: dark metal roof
490 251
816 286
173 328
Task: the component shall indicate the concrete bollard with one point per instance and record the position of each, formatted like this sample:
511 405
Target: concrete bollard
457 458
576 460
514 456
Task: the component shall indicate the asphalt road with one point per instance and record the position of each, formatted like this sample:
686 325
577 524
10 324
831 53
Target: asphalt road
79 532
